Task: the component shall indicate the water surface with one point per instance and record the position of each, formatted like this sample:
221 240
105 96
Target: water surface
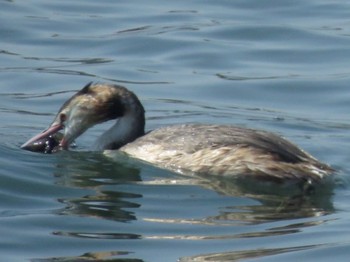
275 65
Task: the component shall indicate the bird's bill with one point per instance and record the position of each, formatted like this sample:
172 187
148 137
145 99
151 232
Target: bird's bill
34 143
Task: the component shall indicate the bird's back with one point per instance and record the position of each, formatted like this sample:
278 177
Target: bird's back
226 150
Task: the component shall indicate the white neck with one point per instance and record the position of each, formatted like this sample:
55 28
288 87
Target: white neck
125 130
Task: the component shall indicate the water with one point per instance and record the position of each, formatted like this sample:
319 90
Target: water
275 65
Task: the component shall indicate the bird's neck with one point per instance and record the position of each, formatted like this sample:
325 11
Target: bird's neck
125 130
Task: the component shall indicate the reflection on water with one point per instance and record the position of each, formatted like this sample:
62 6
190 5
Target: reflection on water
112 186
107 205
267 208
275 201
93 171
92 256
239 255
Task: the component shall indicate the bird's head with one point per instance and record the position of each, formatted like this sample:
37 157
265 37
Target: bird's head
94 104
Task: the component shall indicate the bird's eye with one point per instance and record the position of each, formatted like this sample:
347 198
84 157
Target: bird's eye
63 117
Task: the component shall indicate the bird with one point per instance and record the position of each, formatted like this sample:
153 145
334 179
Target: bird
190 148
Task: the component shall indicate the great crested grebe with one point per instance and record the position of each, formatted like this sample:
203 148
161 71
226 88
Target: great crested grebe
199 148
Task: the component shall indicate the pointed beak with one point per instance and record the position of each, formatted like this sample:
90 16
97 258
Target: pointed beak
41 141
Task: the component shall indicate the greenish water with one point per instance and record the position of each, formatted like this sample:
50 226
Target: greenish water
275 65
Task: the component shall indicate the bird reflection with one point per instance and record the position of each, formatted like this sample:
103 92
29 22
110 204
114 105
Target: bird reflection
92 256
273 201
246 254
94 171
106 205
114 190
